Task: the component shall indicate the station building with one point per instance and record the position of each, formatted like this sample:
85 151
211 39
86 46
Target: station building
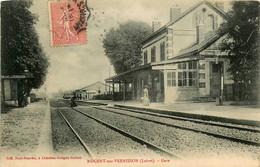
90 91
182 60
14 89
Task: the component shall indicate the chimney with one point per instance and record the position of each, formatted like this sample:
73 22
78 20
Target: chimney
220 5
175 13
156 24
200 33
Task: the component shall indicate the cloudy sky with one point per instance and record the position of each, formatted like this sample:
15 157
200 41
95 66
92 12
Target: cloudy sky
74 67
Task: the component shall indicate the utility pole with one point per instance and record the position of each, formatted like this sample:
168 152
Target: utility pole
109 77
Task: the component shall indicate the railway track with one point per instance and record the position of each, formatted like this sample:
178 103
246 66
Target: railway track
188 119
116 129
181 142
85 146
122 111
248 142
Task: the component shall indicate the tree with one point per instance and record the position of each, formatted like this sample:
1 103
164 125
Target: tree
20 47
123 45
242 44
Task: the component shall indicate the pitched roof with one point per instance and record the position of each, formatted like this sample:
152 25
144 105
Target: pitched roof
209 4
128 72
198 47
192 50
93 84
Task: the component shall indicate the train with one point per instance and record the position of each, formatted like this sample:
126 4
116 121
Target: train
67 95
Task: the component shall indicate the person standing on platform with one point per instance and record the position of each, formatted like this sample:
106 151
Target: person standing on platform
72 102
146 96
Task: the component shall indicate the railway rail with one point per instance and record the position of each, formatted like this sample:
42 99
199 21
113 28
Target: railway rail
85 146
181 142
122 132
192 129
121 111
189 119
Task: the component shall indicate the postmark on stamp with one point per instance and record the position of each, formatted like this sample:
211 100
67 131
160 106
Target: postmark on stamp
67 22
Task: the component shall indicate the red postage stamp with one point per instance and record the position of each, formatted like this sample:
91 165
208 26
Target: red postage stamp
67 23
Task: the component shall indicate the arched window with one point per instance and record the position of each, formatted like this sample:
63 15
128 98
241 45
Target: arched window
210 22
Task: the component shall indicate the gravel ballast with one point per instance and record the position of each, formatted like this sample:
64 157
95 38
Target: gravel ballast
64 140
240 134
104 142
183 143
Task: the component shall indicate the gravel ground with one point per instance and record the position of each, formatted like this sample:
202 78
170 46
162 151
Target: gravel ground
184 143
21 129
104 142
64 140
245 135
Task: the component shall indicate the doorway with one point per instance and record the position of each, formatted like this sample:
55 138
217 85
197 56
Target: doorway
215 80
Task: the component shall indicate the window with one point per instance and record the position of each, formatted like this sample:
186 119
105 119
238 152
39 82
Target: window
193 73
193 65
187 76
116 87
202 85
128 87
201 66
210 22
202 75
182 78
153 55
193 78
145 57
182 65
182 74
162 51
171 79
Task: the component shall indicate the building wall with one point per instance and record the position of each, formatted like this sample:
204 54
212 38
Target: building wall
81 94
98 87
154 43
203 77
92 90
171 93
184 30
183 87
10 91
182 33
188 22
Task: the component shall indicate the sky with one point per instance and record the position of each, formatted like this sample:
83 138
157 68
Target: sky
74 67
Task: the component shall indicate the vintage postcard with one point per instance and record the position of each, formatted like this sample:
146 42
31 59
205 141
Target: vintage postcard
130 83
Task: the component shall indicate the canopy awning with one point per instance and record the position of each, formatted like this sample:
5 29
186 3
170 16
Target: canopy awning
126 74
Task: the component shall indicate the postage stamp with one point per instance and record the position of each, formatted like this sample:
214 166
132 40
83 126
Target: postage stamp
67 22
